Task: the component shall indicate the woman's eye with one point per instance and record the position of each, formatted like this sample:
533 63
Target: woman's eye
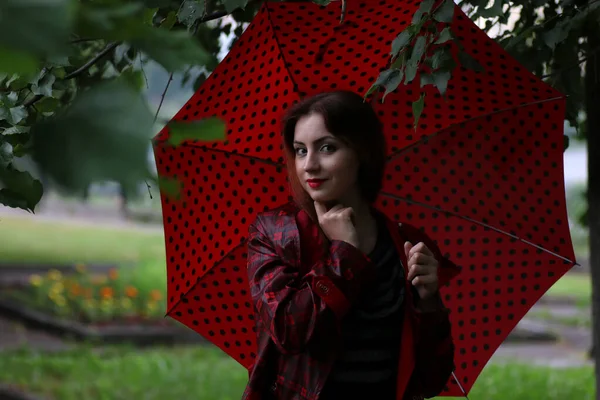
330 147
298 149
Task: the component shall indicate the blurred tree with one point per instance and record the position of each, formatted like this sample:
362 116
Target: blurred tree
71 82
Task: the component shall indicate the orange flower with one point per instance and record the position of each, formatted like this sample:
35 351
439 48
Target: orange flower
106 292
130 291
76 289
155 295
113 274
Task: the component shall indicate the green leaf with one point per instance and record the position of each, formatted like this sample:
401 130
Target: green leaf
555 36
426 79
400 42
469 62
400 61
231 5
17 62
47 105
174 50
417 107
190 12
442 59
446 12
36 27
170 21
135 78
418 50
171 187
157 3
199 81
440 80
58 61
44 85
104 135
15 130
410 72
445 35
494 11
13 115
424 8
392 82
20 189
207 130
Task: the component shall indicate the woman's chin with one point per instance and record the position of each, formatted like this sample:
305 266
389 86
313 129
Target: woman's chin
322 198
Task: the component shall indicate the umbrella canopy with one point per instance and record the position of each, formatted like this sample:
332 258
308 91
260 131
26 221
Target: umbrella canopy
482 174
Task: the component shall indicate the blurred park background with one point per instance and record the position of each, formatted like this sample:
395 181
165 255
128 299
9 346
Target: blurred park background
99 256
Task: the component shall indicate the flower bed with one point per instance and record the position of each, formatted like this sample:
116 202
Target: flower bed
97 299
114 307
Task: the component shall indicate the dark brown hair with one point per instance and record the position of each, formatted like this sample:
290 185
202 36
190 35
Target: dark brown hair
353 121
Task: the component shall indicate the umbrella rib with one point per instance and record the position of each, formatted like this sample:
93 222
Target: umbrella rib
477 223
261 160
285 65
460 386
426 138
170 310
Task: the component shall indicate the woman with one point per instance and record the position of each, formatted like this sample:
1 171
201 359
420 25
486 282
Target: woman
347 302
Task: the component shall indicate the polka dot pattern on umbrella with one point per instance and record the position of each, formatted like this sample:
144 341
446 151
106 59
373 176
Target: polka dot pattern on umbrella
482 174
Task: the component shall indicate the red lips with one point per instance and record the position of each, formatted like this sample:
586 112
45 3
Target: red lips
315 183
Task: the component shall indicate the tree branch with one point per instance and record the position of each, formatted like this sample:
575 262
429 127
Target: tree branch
570 67
110 47
162 98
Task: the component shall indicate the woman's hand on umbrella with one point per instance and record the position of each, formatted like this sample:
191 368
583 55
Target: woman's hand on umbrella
422 269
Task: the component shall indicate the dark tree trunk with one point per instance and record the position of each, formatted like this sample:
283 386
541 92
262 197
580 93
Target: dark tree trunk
592 102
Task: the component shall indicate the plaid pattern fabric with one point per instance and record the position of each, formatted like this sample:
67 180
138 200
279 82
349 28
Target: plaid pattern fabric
300 293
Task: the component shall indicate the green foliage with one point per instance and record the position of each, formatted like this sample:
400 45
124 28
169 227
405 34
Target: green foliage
98 148
208 129
422 50
71 81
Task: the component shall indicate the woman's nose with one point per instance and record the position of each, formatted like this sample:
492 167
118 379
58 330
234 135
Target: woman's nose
311 162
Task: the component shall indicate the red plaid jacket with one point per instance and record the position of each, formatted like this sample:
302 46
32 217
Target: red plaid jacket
300 293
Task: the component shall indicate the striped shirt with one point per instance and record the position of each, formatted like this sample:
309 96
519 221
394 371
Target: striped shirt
368 364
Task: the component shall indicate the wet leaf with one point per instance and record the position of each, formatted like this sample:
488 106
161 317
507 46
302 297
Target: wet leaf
36 28
103 136
190 12
19 188
424 8
446 12
206 130
467 61
231 5
400 42
445 36
417 107
17 62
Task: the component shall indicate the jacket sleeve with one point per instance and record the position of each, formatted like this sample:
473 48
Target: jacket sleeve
434 352
434 347
294 306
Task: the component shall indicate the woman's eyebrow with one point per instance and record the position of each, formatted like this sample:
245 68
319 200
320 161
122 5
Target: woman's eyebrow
319 140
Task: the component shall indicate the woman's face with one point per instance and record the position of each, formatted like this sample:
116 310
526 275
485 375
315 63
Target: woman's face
321 156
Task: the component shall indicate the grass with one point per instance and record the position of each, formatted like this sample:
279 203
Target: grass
208 374
26 240
577 287
575 321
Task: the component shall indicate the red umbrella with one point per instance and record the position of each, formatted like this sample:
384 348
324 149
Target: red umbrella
483 176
